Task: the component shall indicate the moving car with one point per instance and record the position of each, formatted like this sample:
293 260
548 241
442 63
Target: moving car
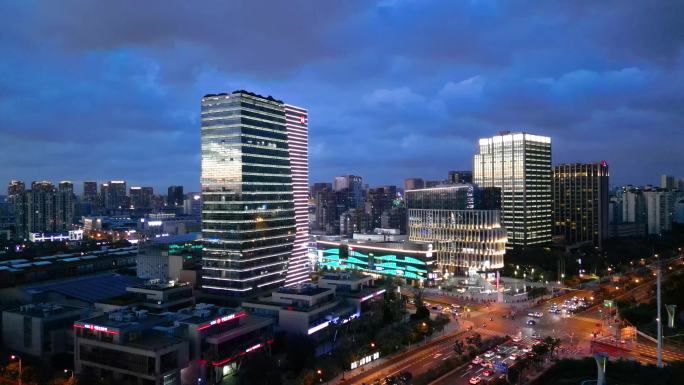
475 380
517 339
489 354
477 360
531 322
487 372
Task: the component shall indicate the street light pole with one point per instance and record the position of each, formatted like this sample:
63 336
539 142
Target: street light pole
13 357
659 319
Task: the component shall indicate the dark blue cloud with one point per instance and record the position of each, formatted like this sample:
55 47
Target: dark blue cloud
395 89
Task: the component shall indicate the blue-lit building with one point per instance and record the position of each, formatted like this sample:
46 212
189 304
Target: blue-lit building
414 262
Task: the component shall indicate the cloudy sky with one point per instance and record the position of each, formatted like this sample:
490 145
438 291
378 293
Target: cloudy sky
98 90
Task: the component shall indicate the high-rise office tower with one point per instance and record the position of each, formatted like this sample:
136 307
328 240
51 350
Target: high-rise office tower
15 187
456 177
297 124
90 192
580 202
520 165
65 203
141 197
41 207
413 183
379 200
351 188
17 198
248 214
175 196
464 236
113 195
667 182
319 186
328 211
659 210
192 205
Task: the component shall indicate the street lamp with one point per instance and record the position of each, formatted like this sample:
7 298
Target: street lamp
66 371
320 375
13 357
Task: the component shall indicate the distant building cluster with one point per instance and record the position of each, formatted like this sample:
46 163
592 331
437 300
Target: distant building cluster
44 211
647 210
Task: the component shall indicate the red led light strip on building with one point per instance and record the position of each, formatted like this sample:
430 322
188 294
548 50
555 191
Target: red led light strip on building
221 320
95 328
247 351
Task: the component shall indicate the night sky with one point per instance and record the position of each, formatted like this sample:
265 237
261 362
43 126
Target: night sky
95 90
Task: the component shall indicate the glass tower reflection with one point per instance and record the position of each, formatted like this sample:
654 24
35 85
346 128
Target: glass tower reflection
248 217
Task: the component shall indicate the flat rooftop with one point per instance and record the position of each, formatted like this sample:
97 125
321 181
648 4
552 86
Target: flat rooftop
160 286
128 320
202 313
309 290
44 310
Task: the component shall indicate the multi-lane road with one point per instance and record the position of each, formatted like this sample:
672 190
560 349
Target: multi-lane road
576 332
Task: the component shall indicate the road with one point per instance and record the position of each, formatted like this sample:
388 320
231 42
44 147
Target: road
576 332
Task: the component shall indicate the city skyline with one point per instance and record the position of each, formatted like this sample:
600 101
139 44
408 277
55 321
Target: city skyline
417 113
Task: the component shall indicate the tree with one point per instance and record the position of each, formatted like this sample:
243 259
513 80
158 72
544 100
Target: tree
475 340
458 347
300 352
552 344
422 312
259 369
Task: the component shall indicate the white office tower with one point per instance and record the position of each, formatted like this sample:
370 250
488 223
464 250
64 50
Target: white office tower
520 165
297 124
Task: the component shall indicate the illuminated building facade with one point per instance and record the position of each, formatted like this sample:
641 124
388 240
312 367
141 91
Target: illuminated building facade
463 236
248 214
580 202
297 123
411 261
520 165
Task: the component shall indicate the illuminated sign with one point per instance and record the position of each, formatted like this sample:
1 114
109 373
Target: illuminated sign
96 328
255 347
365 360
154 223
247 351
222 320
318 327
377 293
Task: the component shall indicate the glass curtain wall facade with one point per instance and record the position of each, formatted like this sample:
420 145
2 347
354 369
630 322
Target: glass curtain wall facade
404 260
520 165
248 215
580 202
463 238
297 123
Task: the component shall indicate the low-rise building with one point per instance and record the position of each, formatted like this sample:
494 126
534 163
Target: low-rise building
153 295
303 309
219 338
353 288
40 330
128 345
